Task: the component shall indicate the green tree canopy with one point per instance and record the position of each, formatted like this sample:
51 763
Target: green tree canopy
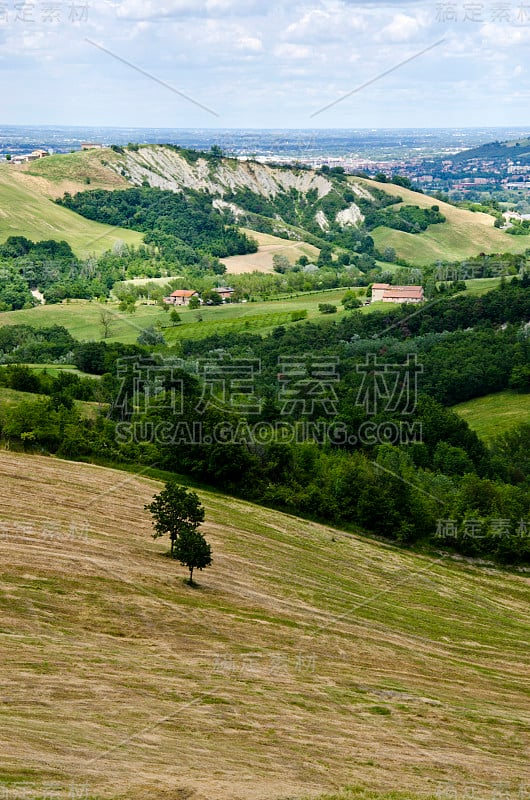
193 551
176 511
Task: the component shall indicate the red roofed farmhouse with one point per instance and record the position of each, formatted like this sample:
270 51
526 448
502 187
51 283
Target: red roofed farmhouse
397 294
378 290
181 297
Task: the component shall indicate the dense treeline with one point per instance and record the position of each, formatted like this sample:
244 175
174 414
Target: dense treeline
53 269
410 219
336 459
66 386
25 344
172 221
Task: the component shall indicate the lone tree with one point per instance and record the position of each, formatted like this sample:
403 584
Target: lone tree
176 511
193 551
107 320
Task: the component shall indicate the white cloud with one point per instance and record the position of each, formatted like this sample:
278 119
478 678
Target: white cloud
402 28
284 59
150 9
250 43
331 24
505 35
292 51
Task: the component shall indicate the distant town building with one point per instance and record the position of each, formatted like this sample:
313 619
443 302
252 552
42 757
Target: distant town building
397 294
181 297
25 158
224 292
518 169
521 184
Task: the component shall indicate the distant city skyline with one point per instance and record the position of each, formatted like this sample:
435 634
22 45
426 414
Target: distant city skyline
355 146
246 63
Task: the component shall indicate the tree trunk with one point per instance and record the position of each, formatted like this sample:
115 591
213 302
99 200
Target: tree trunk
191 576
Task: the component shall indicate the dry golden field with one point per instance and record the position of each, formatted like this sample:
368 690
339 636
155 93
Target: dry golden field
269 246
307 660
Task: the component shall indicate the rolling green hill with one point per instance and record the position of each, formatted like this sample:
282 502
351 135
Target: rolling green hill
496 151
464 234
75 172
82 318
307 660
27 209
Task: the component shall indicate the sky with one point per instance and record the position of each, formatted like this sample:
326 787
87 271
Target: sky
265 64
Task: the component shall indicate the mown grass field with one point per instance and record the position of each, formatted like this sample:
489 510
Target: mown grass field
269 246
27 209
464 234
83 319
306 661
478 286
495 414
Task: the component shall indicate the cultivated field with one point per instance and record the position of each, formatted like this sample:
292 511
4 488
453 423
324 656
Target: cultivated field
83 317
306 661
269 246
495 414
465 233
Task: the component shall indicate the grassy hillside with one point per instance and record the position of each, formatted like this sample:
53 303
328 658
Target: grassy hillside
27 209
465 233
83 319
76 172
495 414
307 660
